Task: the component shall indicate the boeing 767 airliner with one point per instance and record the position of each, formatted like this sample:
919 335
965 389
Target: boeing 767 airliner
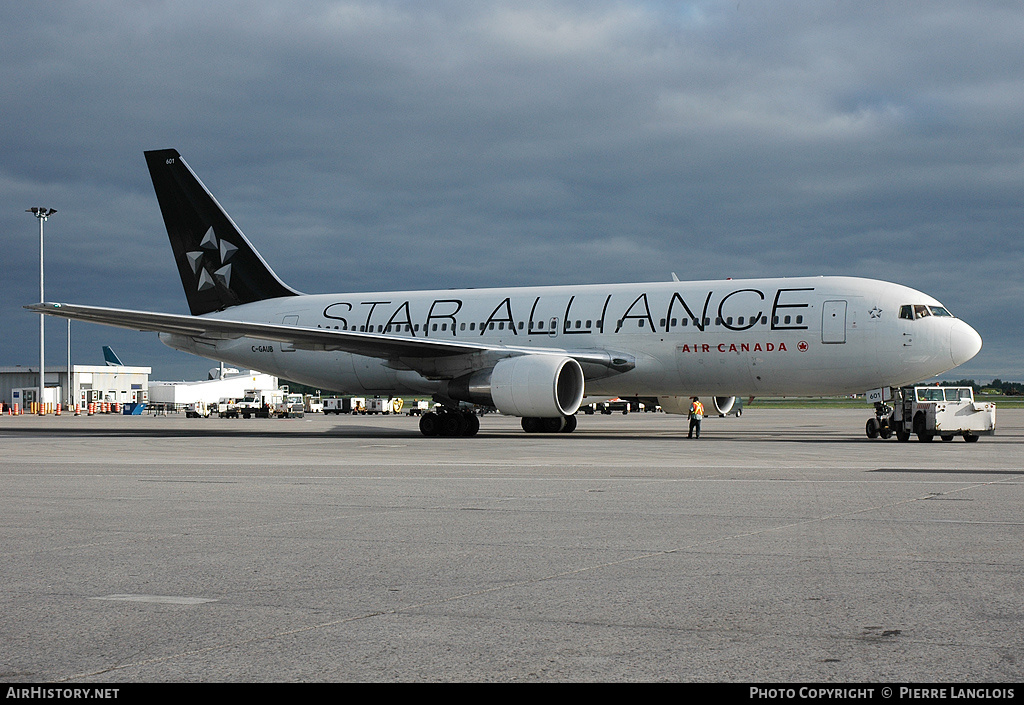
535 352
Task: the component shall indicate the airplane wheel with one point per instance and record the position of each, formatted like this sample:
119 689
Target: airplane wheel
553 424
885 432
453 423
429 424
570 424
531 424
472 425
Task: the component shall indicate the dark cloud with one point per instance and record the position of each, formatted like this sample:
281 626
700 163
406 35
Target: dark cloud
369 145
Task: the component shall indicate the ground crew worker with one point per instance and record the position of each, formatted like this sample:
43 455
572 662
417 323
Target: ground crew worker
696 414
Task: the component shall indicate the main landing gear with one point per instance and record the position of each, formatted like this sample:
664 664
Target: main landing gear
556 424
448 423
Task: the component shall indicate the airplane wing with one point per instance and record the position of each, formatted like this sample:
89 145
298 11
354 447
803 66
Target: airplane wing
388 347
383 346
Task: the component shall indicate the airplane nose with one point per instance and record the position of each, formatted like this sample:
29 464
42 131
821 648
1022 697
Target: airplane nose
964 342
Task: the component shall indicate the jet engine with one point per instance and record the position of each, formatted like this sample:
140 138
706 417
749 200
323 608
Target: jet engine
681 405
543 386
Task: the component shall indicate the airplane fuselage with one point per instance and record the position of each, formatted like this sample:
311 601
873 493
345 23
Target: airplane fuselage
792 336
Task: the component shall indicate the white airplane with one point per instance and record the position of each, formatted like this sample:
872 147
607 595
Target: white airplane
535 352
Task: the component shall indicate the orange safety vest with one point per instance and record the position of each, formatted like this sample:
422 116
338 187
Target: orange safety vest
697 408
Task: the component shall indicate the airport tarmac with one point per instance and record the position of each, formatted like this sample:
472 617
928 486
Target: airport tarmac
783 546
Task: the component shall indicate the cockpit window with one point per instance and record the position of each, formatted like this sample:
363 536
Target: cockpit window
912 312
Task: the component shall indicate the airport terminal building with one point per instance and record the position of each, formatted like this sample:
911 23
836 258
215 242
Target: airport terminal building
89 383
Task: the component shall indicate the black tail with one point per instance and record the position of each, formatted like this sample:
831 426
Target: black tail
218 266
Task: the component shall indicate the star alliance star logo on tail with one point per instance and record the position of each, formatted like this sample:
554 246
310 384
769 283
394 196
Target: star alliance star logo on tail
211 253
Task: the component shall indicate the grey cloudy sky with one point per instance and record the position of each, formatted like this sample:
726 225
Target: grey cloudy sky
397 145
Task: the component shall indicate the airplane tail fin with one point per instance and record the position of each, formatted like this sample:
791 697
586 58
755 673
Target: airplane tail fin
111 358
217 264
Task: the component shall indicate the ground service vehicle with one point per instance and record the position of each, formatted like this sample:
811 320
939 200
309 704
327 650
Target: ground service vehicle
932 411
291 406
418 407
197 410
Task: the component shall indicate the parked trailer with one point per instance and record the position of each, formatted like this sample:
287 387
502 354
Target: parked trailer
385 406
344 405
928 412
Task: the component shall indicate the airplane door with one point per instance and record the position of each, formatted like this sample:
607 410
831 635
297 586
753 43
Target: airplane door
833 322
289 321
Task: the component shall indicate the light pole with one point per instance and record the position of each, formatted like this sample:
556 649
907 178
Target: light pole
42 214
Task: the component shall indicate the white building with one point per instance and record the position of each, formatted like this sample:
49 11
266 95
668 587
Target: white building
178 394
89 383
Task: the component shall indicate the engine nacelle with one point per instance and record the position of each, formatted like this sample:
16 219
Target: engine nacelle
681 405
544 386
